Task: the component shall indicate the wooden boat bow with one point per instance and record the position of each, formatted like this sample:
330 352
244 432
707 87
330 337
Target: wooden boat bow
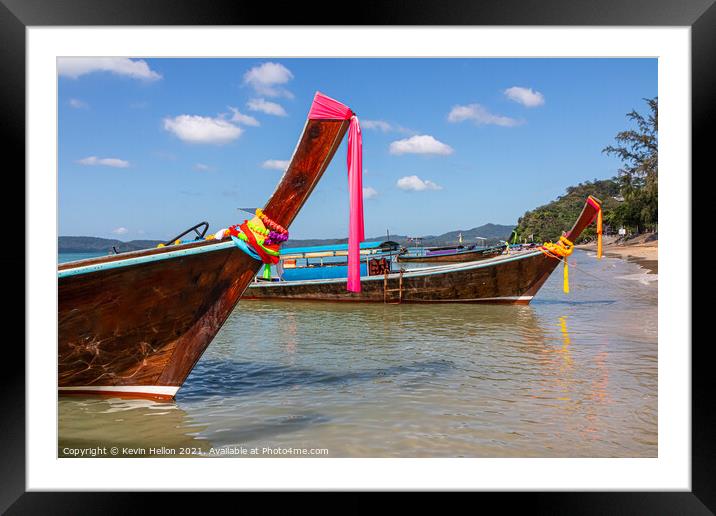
135 324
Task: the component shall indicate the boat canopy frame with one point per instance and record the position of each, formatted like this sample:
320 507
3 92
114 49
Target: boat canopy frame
330 251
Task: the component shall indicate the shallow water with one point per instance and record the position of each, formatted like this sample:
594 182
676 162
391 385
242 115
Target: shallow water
567 376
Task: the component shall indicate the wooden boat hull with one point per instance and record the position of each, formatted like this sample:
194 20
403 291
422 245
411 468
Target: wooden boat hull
135 324
457 257
509 279
140 329
512 278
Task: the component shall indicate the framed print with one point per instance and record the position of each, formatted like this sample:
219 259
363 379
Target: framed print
463 296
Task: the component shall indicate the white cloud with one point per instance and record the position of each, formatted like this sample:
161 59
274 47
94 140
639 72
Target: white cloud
201 129
107 162
525 96
240 118
265 78
78 104
369 192
415 184
481 116
420 144
276 164
201 167
384 127
380 125
270 108
75 67
120 231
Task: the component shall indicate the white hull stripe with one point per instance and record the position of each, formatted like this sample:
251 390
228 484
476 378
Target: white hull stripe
166 390
461 300
504 298
470 300
144 259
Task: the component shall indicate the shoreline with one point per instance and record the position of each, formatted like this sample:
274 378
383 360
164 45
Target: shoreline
644 254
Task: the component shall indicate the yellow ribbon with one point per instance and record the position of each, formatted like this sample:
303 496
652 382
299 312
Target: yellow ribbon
561 250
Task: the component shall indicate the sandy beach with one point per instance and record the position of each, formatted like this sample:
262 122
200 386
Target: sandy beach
643 250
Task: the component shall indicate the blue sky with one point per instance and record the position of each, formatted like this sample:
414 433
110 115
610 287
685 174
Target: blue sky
148 147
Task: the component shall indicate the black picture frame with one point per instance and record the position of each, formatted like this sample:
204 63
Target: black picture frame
17 15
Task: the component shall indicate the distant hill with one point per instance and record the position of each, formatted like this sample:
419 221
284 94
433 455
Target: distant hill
492 232
83 244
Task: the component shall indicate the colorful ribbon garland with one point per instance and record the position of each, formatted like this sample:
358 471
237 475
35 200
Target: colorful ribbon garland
259 237
561 250
564 248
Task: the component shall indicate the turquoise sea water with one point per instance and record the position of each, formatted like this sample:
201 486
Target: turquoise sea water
71 257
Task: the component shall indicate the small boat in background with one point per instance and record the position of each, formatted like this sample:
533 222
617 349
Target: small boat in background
450 254
513 278
330 261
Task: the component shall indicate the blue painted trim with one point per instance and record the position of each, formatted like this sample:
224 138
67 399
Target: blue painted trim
313 273
245 248
128 262
334 247
427 271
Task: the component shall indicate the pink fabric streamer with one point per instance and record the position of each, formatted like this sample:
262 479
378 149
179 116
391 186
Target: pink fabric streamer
325 108
355 194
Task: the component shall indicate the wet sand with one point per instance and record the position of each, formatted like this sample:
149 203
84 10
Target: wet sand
645 254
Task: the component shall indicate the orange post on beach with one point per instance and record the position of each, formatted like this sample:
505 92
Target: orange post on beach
599 234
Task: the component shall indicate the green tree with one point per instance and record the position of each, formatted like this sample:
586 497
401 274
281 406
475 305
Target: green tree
547 222
638 178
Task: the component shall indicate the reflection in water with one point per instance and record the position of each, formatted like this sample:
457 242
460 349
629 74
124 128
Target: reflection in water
567 376
565 333
290 334
566 364
599 396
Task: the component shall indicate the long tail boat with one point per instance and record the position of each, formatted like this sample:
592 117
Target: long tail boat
451 254
136 323
328 261
510 278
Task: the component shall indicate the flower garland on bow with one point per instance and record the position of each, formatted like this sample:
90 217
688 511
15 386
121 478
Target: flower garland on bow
259 237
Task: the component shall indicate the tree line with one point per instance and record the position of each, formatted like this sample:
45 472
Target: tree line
630 199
